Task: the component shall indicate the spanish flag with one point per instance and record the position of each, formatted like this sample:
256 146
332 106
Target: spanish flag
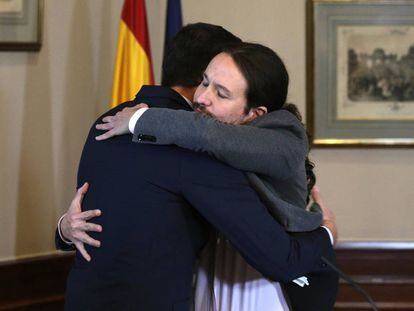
133 60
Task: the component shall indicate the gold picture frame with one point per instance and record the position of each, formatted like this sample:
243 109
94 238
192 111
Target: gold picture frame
360 73
21 25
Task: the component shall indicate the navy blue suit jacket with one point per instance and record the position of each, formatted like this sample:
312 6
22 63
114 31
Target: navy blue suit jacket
156 202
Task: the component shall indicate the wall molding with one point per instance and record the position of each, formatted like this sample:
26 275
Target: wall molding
28 256
388 245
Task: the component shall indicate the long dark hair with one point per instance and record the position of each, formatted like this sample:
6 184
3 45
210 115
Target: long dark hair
267 85
309 165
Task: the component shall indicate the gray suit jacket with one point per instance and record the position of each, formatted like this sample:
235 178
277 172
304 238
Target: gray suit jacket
271 149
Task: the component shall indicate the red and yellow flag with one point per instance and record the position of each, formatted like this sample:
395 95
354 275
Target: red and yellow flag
133 60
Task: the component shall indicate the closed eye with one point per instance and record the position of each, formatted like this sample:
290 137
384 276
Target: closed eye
221 95
222 91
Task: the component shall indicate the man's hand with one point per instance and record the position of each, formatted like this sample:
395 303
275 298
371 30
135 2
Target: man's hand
117 124
74 226
328 216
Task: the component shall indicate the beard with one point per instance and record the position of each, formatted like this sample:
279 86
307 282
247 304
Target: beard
200 108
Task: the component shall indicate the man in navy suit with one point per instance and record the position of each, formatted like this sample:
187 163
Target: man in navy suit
153 235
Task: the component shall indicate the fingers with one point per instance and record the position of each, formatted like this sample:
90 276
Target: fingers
87 239
317 198
105 135
92 227
82 250
105 126
81 193
90 241
76 204
328 216
82 190
109 119
74 225
316 194
81 226
109 123
115 125
87 215
78 228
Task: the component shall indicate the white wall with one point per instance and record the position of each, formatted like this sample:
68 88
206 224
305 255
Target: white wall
49 99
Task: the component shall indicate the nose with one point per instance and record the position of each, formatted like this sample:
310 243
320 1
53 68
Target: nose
204 97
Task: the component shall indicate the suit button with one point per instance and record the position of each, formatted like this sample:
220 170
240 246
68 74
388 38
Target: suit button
148 138
324 265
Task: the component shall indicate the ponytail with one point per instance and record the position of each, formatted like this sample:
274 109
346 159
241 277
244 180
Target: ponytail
309 165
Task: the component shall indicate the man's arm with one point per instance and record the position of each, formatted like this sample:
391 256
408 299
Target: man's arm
222 195
275 145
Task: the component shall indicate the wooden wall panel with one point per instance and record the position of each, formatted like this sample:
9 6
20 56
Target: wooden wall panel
385 270
35 283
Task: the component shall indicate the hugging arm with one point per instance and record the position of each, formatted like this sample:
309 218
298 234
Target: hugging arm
274 144
222 195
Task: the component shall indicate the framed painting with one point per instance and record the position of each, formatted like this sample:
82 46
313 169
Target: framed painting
20 25
360 72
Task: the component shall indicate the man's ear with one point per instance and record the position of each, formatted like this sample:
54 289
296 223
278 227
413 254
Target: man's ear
255 113
259 111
